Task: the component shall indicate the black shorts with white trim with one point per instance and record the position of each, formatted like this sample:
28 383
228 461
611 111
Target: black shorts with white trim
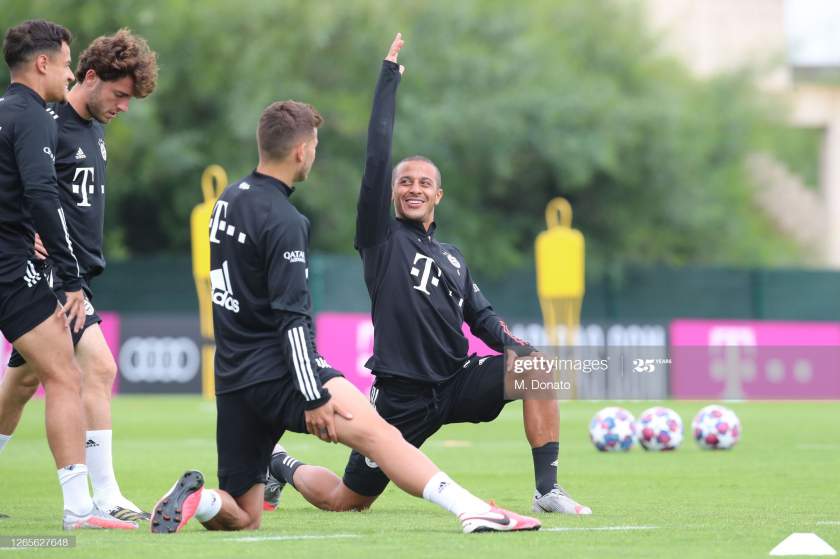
249 422
25 303
91 318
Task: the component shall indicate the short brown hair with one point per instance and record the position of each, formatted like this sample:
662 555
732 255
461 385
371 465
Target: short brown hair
31 37
283 124
119 55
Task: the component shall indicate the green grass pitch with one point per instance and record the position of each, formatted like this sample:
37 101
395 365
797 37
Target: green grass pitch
783 477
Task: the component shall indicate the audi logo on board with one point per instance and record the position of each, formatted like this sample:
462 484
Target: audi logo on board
160 359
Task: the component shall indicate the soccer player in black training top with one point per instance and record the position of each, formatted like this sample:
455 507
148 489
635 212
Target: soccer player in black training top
269 375
111 71
38 55
421 294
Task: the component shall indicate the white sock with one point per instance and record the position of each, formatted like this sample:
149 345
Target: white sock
3 440
100 466
444 492
73 480
209 505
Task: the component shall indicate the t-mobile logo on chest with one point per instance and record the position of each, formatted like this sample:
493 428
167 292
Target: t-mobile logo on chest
83 184
425 275
218 225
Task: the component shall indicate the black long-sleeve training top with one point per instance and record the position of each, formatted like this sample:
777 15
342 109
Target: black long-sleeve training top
259 260
80 163
421 290
29 199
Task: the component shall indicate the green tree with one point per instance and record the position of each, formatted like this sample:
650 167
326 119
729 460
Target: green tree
516 104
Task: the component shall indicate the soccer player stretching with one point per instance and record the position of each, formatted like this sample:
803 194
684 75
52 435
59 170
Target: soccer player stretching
269 376
421 293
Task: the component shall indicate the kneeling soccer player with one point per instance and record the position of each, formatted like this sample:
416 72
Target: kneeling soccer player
422 293
269 376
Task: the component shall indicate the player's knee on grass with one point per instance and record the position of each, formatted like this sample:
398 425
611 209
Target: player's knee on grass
227 524
233 525
345 499
243 512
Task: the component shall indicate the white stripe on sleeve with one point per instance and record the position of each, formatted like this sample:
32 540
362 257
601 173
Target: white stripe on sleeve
307 372
307 393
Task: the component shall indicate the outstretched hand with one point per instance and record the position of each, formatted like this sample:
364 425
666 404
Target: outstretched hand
394 51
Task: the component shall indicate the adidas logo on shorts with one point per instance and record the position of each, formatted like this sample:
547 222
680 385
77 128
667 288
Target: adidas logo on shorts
32 276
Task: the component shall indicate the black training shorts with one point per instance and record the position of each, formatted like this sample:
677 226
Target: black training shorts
249 422
91 318
25 303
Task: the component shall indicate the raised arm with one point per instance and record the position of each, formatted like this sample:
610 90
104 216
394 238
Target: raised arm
373 210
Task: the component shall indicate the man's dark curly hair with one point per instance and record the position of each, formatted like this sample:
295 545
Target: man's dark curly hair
119 55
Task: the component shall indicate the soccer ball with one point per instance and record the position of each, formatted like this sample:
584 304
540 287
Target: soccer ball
660 429
716 428
613 429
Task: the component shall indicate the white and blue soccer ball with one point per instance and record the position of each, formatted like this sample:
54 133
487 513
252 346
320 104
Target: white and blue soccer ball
660 428
613 429
716 428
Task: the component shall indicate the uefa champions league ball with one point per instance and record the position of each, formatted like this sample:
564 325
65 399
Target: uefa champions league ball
716 428
613 429
660 429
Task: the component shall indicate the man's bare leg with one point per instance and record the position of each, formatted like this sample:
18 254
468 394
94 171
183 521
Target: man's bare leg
370 435
98 373
48 349
542 422
94 357
325 490
542 429
19 384
238 513
17 387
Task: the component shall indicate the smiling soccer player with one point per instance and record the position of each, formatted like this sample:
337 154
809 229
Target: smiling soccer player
269 376
421 293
